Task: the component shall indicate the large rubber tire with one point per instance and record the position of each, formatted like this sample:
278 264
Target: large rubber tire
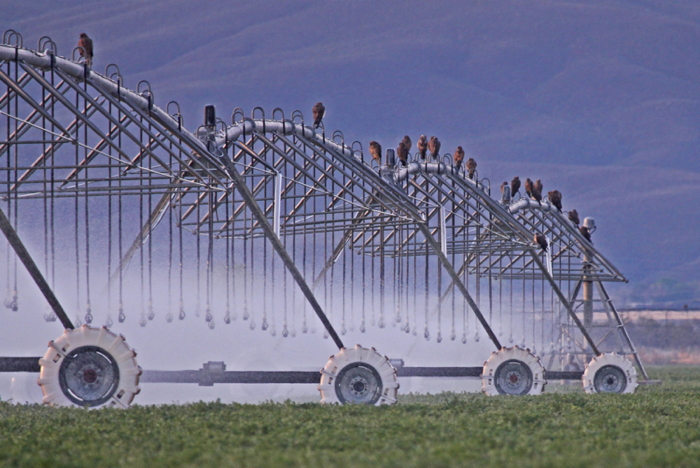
358 376
610 373
513 371
90 368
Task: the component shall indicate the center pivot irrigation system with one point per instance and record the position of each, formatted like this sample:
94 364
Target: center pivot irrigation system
273 224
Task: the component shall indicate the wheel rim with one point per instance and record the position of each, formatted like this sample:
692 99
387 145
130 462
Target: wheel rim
358 383
89 375
610 379
513 377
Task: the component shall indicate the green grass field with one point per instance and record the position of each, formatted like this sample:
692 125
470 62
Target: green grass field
657 426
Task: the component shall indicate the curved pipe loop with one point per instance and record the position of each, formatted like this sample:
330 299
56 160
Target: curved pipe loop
485 184
237 111
112 74
222 124
275 111
338 135
298 115
176 115
357 150
262 112
177 108
147 92
221 131
248 127
279 110
12 34
47 45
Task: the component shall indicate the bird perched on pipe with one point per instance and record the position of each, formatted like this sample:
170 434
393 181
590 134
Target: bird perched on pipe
458 156
555 198
319 111
375 149
471 167
434 147
408 143
541 241
514 186
573 217
536 191
422 146
86 51
529 187
585 232
402 153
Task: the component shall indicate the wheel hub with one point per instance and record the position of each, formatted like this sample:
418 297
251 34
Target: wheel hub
89 375
358 383
610 379
513 377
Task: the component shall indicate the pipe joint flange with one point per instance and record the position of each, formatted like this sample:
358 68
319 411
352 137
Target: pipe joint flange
358 376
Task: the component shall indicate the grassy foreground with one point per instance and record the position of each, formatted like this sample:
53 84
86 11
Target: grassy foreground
658 426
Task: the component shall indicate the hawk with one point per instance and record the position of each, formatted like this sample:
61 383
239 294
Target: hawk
514 186
422 146
471 167
319 110
375 149
555 198
434 147
458 157
85 48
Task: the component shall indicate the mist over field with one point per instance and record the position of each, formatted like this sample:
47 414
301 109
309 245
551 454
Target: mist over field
599 99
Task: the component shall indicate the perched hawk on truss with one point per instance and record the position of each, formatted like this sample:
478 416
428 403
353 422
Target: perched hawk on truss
585 232
408 143
573 217
319 110
402 153
541 241
434 147
555 198
422 146
85 48
471 167
375 149
458 157
514 186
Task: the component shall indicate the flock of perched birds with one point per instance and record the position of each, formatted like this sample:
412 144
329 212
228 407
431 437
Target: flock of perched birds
534 191
425 145
432 145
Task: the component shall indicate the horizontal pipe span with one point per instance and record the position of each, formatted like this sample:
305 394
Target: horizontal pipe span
31 364
527 202
439 371
564 375
284 127
207 378
19 364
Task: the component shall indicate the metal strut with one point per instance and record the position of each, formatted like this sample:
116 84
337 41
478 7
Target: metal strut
31 267
239 183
